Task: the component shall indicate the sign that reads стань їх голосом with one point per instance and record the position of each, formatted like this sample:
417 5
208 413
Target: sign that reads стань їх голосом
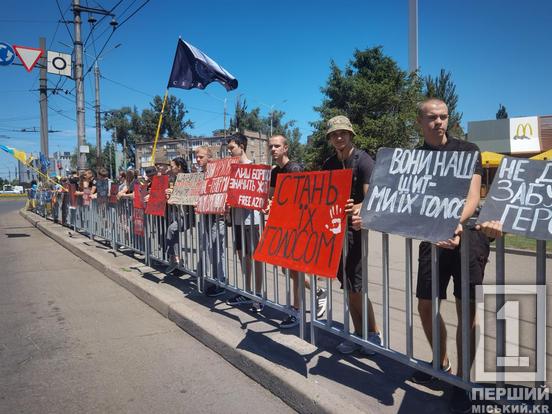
521 198
418 193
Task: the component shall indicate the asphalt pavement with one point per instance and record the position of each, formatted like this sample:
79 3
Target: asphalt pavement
75 342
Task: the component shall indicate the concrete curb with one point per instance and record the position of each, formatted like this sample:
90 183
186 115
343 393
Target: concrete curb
299 392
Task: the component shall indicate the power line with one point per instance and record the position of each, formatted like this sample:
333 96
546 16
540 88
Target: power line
64 21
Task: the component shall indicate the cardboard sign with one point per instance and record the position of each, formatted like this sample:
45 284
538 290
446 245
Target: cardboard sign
157 202
86 196
212 199
248 186
138 221
187 188
307 222
102 186
139 193
113 190
521 198
417 193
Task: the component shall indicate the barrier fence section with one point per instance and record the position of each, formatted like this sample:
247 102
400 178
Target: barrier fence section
210 249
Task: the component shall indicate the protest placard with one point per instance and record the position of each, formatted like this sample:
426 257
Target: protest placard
113 190
73 195
187 188
102 185
248 186
138 194
157 202
417 193
212 199
521 198
86 196
138 221
307 222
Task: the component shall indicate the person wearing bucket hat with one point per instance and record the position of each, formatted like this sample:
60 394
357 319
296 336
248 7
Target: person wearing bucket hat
340 134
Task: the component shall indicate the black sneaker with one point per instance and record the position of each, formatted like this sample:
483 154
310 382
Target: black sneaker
460 401
238 300
290 322
420 377
214 290
256 307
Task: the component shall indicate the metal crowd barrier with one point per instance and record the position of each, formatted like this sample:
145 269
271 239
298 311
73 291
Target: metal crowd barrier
207 250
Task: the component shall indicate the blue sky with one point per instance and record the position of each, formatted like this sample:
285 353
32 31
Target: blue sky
498 52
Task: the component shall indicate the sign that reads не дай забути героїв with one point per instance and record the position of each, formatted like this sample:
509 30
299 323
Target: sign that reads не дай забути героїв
521 198
418 193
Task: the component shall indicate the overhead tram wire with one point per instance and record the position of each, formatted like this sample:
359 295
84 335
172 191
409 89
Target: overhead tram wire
64 21
149 95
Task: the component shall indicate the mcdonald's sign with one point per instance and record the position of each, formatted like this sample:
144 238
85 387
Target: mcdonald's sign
524 135
521 131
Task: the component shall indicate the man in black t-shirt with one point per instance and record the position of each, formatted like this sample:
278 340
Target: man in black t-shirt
433 119
278 146
340 134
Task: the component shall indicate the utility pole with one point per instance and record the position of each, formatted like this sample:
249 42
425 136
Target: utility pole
98 120
412 35
79 84
43 89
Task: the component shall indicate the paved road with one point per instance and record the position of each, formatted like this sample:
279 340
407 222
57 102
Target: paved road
73 341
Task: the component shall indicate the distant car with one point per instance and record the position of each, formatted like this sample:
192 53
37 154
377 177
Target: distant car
12 189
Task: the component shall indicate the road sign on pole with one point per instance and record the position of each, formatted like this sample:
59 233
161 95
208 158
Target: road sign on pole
28 56
7 54
59 63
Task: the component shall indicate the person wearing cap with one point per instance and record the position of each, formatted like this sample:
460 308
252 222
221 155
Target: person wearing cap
340 134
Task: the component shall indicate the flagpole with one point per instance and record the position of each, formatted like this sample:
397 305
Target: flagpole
159 127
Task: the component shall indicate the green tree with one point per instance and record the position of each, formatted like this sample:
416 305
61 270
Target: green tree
254 121
442 87
376 95
501 113
129 127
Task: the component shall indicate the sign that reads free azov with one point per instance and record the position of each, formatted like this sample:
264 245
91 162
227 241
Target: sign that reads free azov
521 198
418 193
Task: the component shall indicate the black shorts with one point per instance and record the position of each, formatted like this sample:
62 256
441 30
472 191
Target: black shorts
251 238
353 262
450 265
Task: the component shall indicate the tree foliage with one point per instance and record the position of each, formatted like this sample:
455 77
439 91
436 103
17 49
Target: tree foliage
377 96
501 113
129 127
442 87
254 121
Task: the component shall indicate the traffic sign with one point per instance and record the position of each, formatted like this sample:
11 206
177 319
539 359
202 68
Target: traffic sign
59 63
28 56
7 54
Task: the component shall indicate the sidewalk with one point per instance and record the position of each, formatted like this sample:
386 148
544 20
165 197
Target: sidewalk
310 379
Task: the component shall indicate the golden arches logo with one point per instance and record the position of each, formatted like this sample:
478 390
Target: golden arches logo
523 129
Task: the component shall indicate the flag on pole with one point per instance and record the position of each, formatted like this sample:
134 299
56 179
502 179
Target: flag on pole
18 154
194 69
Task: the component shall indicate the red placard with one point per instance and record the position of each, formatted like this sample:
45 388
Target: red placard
86 196
248 186
139 193
212 199
157 202
307 222
138 221
72 195
113 190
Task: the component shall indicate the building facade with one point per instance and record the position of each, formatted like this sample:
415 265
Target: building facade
167 149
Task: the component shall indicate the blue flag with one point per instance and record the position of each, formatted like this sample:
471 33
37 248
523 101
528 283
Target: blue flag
194 69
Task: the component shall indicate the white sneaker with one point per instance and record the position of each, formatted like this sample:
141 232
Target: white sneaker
347 347
321 302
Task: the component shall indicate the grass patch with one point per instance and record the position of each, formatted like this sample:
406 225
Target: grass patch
520 242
